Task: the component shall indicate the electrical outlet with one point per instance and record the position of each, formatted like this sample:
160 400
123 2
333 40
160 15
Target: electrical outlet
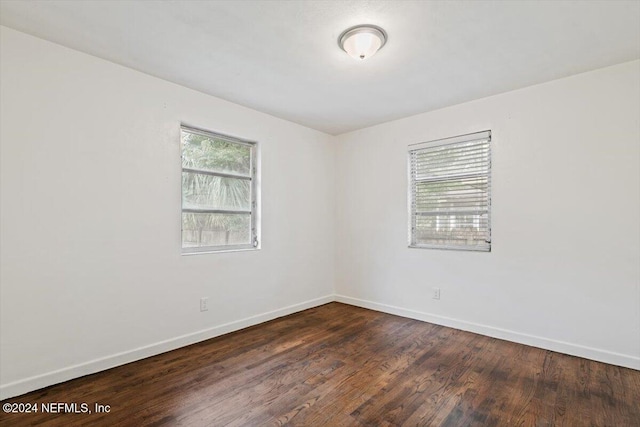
204 303
436 293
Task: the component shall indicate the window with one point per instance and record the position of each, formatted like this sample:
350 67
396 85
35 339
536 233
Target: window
218 192
450 193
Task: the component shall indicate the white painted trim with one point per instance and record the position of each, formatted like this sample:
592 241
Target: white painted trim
600 355
26 385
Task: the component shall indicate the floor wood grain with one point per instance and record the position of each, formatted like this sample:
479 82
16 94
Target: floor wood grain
338 365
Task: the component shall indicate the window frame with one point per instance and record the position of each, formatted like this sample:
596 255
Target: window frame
253 177
413 148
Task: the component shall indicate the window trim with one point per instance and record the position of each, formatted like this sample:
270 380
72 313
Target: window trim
255 196
475 136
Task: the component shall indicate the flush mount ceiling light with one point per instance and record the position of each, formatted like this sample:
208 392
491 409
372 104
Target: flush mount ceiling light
362 41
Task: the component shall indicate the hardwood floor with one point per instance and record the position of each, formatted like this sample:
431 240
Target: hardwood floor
338 365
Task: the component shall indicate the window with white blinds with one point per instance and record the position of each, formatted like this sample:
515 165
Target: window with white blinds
219 192
450 193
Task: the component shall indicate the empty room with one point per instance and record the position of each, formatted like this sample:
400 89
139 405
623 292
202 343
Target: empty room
319 213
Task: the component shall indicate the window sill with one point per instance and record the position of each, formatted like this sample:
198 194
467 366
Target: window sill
451 248
217 251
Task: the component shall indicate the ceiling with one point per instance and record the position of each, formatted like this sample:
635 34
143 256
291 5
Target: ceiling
282 57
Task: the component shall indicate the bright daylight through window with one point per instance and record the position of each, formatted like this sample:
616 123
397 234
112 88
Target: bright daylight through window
450 193
219 192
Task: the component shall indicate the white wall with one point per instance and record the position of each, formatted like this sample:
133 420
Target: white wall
564 271
91 269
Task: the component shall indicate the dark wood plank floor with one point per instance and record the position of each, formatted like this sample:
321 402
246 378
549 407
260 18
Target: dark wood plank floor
338 365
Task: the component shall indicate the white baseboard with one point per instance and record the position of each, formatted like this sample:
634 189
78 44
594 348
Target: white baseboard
26 385
605 356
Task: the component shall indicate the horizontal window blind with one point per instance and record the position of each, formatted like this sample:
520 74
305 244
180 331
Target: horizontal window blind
450 193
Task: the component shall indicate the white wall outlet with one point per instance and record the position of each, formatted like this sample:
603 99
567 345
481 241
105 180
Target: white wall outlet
204 303
436 293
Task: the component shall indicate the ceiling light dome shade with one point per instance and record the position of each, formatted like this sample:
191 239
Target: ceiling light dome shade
362 41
